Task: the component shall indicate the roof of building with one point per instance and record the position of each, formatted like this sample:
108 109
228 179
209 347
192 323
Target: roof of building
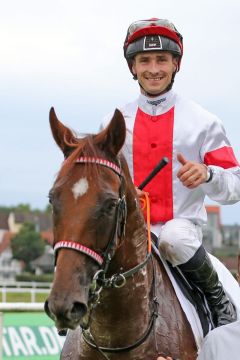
47 236
7 237
43 220
4 221
213 209
45 262
230 262
6 240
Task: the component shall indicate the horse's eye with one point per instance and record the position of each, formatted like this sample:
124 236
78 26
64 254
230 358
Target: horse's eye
109 206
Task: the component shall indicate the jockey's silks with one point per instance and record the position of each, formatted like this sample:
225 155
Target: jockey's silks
152 140
168 125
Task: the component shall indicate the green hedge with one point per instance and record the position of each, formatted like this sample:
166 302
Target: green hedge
32 277
226 251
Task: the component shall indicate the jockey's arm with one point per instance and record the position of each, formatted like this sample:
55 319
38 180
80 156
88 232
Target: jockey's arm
217 152
225 185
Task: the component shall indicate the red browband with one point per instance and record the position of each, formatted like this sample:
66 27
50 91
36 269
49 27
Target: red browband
99 161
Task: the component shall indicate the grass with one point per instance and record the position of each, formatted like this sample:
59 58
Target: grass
23 297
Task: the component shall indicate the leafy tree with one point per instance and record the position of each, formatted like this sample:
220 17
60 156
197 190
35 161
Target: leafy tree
23 208
27 245
6 209
26 208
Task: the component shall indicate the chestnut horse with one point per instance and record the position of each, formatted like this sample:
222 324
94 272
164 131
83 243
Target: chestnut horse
113 295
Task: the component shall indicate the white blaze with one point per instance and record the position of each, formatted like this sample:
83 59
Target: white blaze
80 188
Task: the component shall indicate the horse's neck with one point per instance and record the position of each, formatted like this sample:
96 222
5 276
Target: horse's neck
133 248
128 308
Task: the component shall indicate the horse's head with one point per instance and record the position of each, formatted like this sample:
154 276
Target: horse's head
87 201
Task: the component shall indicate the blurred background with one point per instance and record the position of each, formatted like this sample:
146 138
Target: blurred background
68 54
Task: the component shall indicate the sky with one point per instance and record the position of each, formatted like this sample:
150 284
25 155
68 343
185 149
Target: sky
68 54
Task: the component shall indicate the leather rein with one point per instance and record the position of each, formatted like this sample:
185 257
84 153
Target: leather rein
118 280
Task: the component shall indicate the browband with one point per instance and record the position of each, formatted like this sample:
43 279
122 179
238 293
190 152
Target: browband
99 161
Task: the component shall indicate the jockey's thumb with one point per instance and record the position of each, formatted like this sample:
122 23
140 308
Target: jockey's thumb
181 159
140 193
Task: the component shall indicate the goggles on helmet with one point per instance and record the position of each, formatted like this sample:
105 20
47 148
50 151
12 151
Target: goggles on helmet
152 34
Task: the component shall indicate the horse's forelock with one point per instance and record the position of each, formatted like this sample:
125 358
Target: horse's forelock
85 146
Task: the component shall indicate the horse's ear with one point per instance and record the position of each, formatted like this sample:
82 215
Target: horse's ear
116 133
61 134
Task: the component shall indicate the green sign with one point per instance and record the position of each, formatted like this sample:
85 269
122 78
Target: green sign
30 336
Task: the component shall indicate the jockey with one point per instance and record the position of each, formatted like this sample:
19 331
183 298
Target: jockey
202 162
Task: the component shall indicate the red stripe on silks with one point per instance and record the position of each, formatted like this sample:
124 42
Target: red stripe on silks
152 140
223 157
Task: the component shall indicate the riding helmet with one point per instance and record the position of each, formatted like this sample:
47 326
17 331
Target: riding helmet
151 35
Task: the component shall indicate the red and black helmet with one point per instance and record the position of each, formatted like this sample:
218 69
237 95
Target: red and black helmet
152 35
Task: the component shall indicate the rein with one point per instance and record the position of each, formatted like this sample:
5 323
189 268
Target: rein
118 280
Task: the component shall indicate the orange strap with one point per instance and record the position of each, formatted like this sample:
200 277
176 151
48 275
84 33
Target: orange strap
145 205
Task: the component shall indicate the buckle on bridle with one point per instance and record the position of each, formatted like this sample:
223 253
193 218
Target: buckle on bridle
118 281
96 287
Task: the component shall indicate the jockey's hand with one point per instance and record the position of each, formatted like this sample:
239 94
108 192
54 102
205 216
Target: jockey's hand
140 193
162 358
191 174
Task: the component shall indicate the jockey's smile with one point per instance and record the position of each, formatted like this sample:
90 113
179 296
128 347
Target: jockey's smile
154 70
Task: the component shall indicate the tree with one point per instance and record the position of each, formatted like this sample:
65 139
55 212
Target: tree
27 245
23 208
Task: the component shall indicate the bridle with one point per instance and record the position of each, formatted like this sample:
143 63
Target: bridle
118 280
103 259
118 231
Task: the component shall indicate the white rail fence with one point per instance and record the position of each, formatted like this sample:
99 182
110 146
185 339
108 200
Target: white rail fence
21 307
29 284
1 336
30 288
32 291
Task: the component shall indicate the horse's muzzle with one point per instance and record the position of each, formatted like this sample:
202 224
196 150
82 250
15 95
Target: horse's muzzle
65 314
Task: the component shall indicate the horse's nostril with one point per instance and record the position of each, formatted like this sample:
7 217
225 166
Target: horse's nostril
78 310
46 308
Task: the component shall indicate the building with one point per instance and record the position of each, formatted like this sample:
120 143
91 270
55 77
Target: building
231 235
16 219
212 232
9 267
10 225
44 264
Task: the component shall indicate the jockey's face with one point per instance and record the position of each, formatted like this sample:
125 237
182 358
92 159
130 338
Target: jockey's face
154 70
